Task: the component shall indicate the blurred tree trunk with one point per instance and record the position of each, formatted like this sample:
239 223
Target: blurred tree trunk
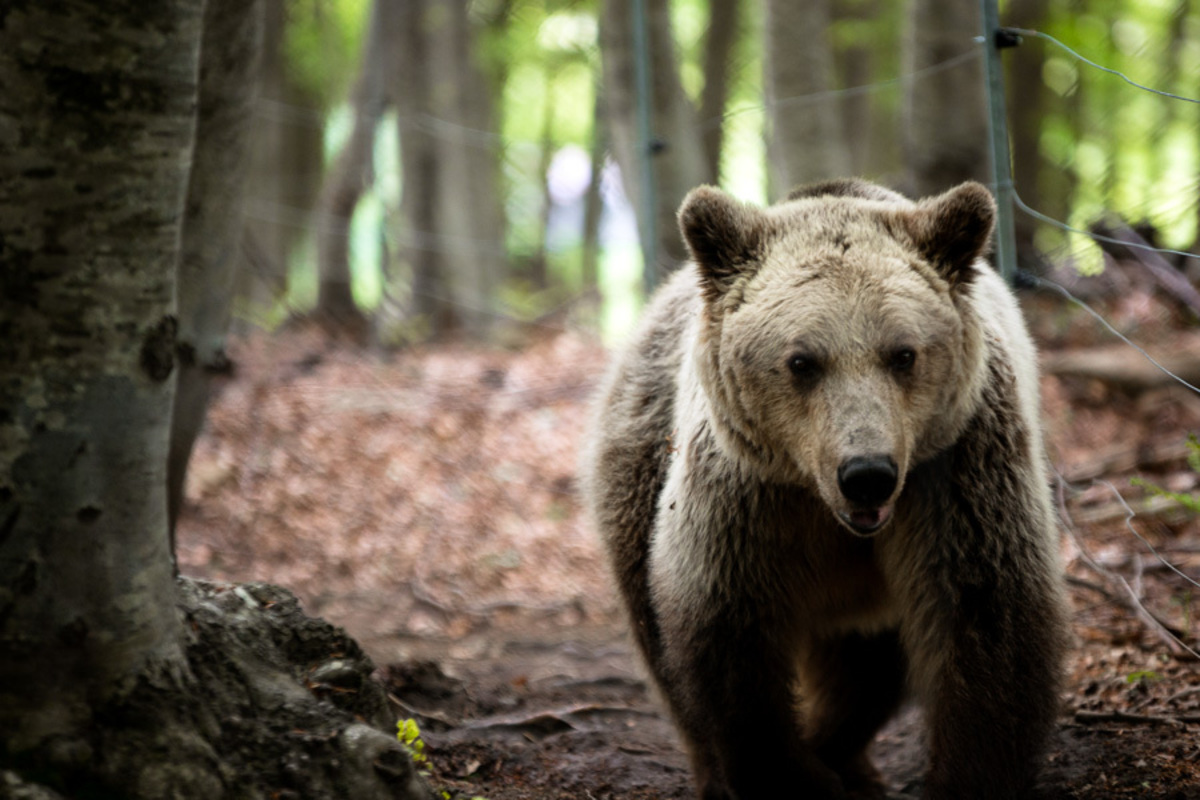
855 65
425 306
593 201
470 216
212 225
945 131
452 210
349 175
94 164
1026 103
806 140
679 161
723 32
285 169
539 272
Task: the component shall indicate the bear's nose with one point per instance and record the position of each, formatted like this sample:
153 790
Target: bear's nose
867 481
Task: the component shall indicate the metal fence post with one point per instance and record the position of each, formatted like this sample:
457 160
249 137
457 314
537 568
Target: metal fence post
995 39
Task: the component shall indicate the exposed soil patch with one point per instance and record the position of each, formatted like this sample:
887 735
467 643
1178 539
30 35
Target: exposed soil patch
426 502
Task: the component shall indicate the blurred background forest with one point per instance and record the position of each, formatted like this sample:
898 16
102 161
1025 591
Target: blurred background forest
468 188
427 169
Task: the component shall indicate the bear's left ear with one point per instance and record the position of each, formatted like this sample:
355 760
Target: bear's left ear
725 237
954 229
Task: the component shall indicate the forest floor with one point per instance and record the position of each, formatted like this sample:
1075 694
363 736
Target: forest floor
425 500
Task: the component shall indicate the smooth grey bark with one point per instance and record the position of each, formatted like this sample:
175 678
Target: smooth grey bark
679 161
945 128
96 125
104 691
350 174
212 226
806 140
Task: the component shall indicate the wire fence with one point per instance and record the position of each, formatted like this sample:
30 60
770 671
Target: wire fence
1128 594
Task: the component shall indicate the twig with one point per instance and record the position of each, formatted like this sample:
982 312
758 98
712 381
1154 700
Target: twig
1093 717
1124 459
416 712
1174 643
1182 694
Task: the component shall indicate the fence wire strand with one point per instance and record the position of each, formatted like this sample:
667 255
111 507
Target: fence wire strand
1047 37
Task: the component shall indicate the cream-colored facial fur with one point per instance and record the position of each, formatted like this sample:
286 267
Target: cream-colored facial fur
891 361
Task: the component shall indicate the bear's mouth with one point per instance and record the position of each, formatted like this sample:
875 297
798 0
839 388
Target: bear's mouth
866 521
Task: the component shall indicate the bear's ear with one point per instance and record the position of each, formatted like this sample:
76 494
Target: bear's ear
724 235
954 229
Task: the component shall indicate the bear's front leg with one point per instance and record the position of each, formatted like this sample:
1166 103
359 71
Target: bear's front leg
992 693
729 684
985 632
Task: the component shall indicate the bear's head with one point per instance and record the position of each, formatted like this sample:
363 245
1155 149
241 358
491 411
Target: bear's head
839 345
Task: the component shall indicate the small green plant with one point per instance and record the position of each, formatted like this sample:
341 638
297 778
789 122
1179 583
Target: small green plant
1143 676
1189 501
409 734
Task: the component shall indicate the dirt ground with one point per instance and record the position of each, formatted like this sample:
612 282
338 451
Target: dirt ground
425 501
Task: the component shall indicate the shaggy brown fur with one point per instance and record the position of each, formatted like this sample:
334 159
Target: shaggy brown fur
818 472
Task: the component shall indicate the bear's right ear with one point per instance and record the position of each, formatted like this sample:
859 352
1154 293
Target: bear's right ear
725 237
954 229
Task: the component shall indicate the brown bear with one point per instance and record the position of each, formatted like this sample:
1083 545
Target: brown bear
818 472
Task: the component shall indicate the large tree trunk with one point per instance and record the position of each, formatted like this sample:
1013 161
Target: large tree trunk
945 132
212 226
806 139
679 161
94 173
350 174
104 692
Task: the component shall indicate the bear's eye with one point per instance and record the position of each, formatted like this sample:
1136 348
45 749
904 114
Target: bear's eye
803 366
902 360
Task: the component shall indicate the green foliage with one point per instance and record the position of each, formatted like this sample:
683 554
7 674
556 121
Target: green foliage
1143 676
1103 145
409 734
1189 501
322 42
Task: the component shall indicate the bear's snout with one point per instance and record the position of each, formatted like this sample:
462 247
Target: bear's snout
867 481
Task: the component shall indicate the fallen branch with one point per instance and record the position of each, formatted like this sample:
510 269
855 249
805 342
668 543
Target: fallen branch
1094 717
1169 279
1124 368
1191 690
1134 603
1153 506
1126 459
